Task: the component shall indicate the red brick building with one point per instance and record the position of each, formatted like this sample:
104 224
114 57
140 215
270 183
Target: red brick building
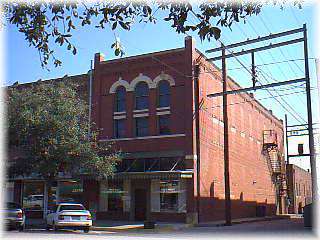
147 105
155 108
299 188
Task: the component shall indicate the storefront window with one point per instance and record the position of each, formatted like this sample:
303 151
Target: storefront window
115 196
33 196
70 191
169 190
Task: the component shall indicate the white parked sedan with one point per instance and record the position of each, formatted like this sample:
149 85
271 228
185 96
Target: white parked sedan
69 216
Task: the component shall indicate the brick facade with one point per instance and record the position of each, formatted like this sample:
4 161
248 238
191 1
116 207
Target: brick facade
250 176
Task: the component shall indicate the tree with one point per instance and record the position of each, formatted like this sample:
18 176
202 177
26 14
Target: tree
45 24
48 122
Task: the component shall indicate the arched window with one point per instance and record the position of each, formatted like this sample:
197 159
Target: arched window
142 96
163 94
120 99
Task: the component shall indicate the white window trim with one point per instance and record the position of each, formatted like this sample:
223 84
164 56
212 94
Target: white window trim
119 113
163 108
119 117
163 113
141 115
141 110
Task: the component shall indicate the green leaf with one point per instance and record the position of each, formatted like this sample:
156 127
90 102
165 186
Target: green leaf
124 26
114 25
74 51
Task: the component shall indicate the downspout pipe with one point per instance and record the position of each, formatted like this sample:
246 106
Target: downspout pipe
90 97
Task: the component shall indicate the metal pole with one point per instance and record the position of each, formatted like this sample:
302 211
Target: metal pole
253 70
226 140
196 105
317 60
90 96
286 132
309 110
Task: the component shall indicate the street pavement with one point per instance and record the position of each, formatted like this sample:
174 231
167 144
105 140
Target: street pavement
288 228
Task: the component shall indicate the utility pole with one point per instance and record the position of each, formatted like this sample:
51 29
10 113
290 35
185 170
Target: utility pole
196 105
309 112
287 145
317 60
226 140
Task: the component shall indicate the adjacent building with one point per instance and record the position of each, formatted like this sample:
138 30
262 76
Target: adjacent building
299 188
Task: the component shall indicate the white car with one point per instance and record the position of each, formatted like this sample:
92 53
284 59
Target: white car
69 216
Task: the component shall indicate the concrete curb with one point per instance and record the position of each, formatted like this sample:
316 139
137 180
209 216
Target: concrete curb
158 228
116 229
240 221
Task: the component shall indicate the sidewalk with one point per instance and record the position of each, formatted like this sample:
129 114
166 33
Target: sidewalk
245 220
132 226
106 225
116 226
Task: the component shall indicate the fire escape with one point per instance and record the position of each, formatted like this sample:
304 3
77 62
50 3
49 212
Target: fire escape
276 166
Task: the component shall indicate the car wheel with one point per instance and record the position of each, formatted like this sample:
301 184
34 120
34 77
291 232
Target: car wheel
55 228
86 230
47 227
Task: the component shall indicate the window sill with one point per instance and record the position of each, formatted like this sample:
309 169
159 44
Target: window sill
163 108
164 113
119 113
141 110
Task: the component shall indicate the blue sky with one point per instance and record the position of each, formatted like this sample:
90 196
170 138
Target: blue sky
24 66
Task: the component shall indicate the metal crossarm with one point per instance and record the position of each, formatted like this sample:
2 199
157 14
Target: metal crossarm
259 39
258 49
257 87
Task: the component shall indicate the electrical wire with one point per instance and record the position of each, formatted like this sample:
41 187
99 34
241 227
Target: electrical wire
272 63
293 115
292 69
257 99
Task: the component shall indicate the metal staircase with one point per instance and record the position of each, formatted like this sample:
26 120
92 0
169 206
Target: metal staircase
276 166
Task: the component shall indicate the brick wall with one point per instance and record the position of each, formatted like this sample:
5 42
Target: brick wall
299 188
250 177
177 64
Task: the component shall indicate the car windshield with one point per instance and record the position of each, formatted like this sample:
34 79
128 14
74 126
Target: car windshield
71 207
11 205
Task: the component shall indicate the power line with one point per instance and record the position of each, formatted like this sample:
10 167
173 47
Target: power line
268 29
272 63
294 116
294 15
266 26
276 89
258 99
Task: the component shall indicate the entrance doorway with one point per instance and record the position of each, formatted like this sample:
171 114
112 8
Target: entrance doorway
140 197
